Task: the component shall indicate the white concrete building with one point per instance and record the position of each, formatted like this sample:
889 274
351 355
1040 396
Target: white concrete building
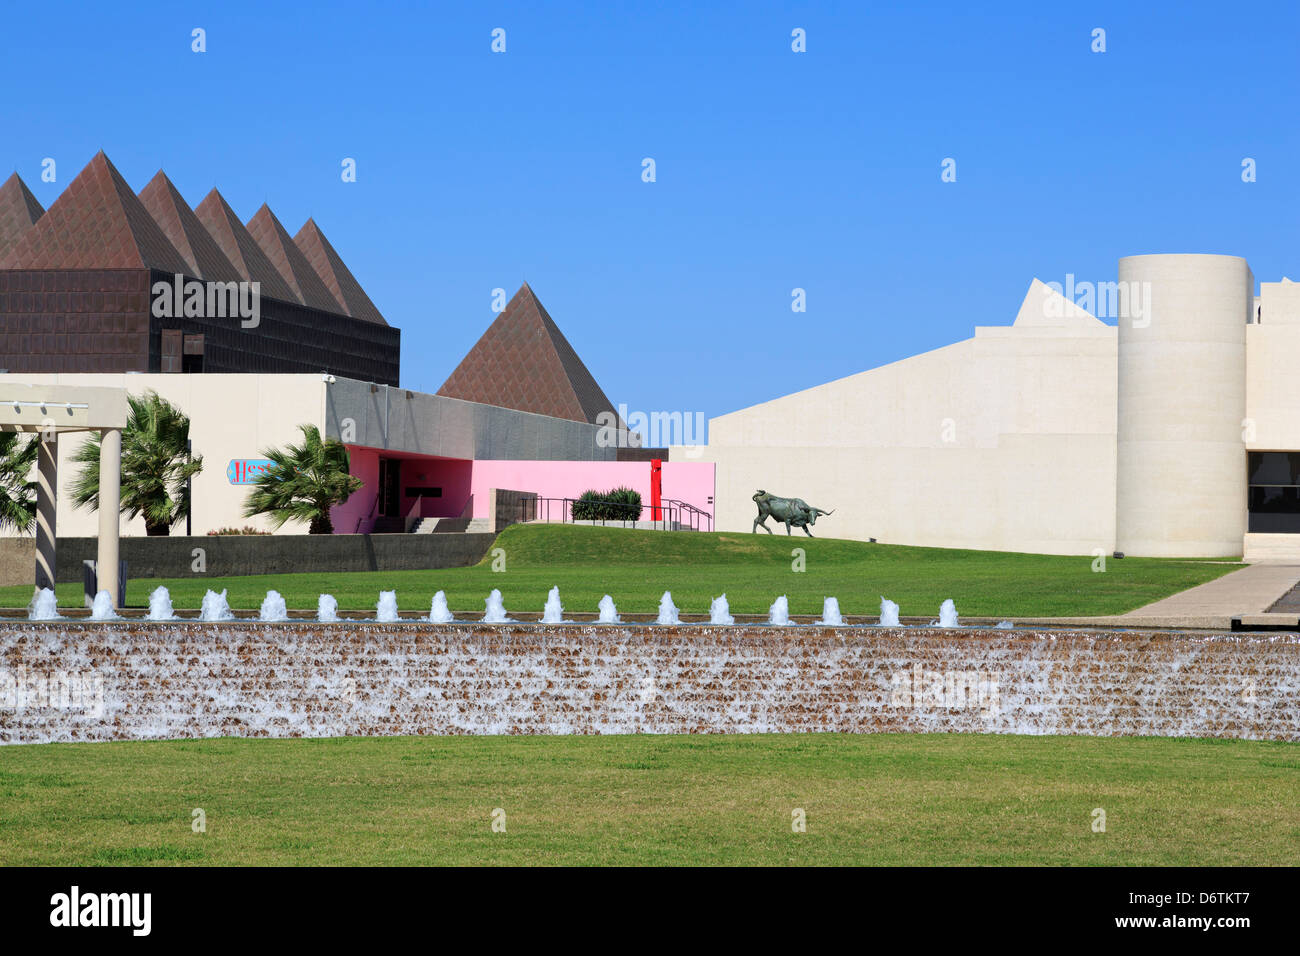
1174 432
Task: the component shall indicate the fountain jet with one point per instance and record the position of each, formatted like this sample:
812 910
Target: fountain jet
888 612
718 612
667 610
439 613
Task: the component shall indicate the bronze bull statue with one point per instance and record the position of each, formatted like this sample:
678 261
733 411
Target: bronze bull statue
792 512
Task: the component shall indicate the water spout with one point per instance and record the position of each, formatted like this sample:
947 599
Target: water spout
888 613
386 609
44 606
667 610
948 614
779 613
495 612
273 608
102 608
831 613
439 613
215 607
553 612
718 613
608 612
327 609
160 605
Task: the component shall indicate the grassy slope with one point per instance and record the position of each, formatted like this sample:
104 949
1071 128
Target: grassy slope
636 567
906 799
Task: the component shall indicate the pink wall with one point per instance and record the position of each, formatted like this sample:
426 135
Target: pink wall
465 484
450 474
364 463
689 481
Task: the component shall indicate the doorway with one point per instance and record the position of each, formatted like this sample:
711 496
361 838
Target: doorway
390 487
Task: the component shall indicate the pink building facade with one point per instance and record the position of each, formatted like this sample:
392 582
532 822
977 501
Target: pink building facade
400 488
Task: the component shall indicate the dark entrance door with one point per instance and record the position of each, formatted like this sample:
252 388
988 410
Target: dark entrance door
390 487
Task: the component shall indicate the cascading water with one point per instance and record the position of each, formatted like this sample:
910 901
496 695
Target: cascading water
718 612
439 613
667 610
273 608
386 609
831 613
888 613
160 605
495 612
44 606
102 608
327 609
608 612
948 614
301 679
779 612
553 613
215 607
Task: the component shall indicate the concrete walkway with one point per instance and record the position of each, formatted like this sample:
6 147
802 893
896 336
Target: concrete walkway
1248 594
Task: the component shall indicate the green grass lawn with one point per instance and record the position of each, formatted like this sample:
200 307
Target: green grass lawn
868 799
636 567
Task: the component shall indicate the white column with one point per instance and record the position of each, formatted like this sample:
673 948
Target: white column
1180 465
110 500
47 494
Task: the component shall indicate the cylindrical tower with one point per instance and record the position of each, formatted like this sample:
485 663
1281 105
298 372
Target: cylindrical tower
1180 459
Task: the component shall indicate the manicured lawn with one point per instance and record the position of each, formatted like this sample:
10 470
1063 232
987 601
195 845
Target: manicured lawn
636 567
868 799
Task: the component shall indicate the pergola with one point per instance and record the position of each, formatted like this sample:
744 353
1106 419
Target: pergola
49 410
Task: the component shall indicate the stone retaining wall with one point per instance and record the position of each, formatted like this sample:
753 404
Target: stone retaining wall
131 680
175 556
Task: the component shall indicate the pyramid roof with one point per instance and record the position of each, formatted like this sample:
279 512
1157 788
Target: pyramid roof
524 362
19 209
338 278
290 262
97 223
240 248
178 222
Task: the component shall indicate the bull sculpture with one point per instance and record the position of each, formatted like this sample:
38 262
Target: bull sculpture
792 512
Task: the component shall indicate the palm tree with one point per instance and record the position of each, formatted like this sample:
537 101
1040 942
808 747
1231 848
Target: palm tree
156 465
17 494
303 482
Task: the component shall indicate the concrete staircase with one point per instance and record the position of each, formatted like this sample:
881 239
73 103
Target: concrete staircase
452 526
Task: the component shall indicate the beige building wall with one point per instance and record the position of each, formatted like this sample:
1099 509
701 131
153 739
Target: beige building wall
1004 441
1181 454
1272 398
1056 434
237 416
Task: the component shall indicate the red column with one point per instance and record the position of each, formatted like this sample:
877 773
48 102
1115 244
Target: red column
656 487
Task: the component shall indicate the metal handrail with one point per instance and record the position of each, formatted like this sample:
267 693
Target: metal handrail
670 511
373 508
698 515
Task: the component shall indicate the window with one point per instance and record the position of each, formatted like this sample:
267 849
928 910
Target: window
1273 492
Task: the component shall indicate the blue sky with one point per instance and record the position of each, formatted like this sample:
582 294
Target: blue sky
775 170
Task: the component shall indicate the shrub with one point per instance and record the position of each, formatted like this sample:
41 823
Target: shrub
619 504
630 501
247 529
